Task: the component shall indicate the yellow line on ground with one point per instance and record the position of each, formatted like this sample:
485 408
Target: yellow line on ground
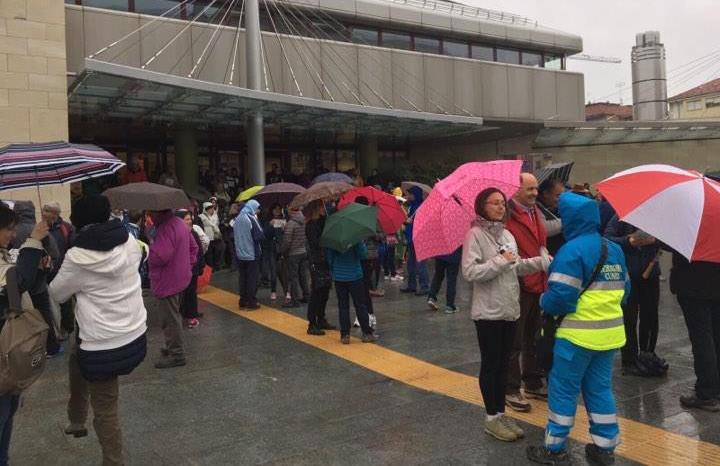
641 442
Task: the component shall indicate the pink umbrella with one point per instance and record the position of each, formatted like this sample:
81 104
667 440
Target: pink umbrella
443 220
679 207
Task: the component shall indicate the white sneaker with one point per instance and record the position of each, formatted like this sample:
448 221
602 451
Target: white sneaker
273 296
433 304
373 321
356 323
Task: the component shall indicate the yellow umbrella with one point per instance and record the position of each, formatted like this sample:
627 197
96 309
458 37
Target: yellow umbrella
248 193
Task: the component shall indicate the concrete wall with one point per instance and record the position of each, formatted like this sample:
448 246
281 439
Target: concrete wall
404 79
595 163
33 97
472 148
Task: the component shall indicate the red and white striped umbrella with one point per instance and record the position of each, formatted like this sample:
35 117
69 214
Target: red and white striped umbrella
679 207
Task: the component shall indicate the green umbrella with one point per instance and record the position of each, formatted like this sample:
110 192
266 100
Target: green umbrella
347 227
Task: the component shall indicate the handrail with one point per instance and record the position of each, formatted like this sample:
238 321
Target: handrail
469 11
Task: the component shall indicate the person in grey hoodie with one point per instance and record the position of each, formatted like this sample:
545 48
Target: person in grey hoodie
490 262
294 251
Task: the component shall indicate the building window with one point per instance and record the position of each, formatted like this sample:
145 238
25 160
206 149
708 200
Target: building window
714 102
396 40
553 62
157 7
482 52
120 5
455 48
427 44
364 36
531 59
508 56
695 105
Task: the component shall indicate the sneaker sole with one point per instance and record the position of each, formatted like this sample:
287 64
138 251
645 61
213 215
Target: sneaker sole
494 435
519 409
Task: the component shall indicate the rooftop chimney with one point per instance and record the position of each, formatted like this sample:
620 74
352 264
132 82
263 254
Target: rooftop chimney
649 81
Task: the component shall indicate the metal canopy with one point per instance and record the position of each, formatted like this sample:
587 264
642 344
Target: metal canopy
111 91
600 133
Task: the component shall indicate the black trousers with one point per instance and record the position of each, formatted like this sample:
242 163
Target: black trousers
41 301
642 303
368 266
189 304
441 269
495 338
248 277
316 305
702 318
356 290
524 367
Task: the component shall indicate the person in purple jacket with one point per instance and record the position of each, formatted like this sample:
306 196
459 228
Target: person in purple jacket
170 274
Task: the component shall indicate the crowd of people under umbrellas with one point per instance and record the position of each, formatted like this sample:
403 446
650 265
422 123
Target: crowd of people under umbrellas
507 257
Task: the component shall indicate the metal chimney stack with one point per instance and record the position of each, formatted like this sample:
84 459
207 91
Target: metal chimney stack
649 81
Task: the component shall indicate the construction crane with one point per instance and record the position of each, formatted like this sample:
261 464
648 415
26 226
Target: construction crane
585 57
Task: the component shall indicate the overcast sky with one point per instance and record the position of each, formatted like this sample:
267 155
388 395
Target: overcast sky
688 28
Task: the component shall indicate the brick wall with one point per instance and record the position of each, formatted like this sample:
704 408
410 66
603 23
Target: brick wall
33 83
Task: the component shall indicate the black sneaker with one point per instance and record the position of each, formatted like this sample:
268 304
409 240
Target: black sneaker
312 330
252 307
76 430
544 456
599 456
325 325
369 338
695 402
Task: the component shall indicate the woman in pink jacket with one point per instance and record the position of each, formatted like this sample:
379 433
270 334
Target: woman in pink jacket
170 274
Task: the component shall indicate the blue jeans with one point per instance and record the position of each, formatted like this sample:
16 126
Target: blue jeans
8 407
416 271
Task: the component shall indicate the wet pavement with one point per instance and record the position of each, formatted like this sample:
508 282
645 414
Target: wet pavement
251 395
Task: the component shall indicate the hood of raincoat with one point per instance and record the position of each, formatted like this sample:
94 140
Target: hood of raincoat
580 215
251 207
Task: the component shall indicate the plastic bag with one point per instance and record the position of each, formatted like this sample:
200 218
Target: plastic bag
204 279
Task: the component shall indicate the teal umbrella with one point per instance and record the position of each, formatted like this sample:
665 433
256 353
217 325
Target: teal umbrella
347 227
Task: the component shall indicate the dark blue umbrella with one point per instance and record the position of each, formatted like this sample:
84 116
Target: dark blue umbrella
332 176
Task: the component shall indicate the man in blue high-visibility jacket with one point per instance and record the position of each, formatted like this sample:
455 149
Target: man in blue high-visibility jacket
591 332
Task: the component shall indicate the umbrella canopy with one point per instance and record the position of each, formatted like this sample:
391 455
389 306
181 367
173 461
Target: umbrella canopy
443 220
248 194
278 193
146 196
347 227
390 215
332 176
681 208
323 191
406 185
27 165
560 171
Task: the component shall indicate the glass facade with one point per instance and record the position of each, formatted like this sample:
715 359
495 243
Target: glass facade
532 59
455 48
325 26
396 40
427 44
482 52
508 56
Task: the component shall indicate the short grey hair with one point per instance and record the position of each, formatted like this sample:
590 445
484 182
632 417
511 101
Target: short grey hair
52 207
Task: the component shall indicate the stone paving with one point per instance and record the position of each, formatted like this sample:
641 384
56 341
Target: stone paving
250 395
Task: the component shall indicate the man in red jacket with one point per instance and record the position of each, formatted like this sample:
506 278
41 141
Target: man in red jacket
525 222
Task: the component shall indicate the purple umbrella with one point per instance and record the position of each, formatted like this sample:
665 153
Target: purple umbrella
332 176
278 193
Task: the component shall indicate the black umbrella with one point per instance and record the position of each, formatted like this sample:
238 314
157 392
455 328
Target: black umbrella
146 196
560 171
